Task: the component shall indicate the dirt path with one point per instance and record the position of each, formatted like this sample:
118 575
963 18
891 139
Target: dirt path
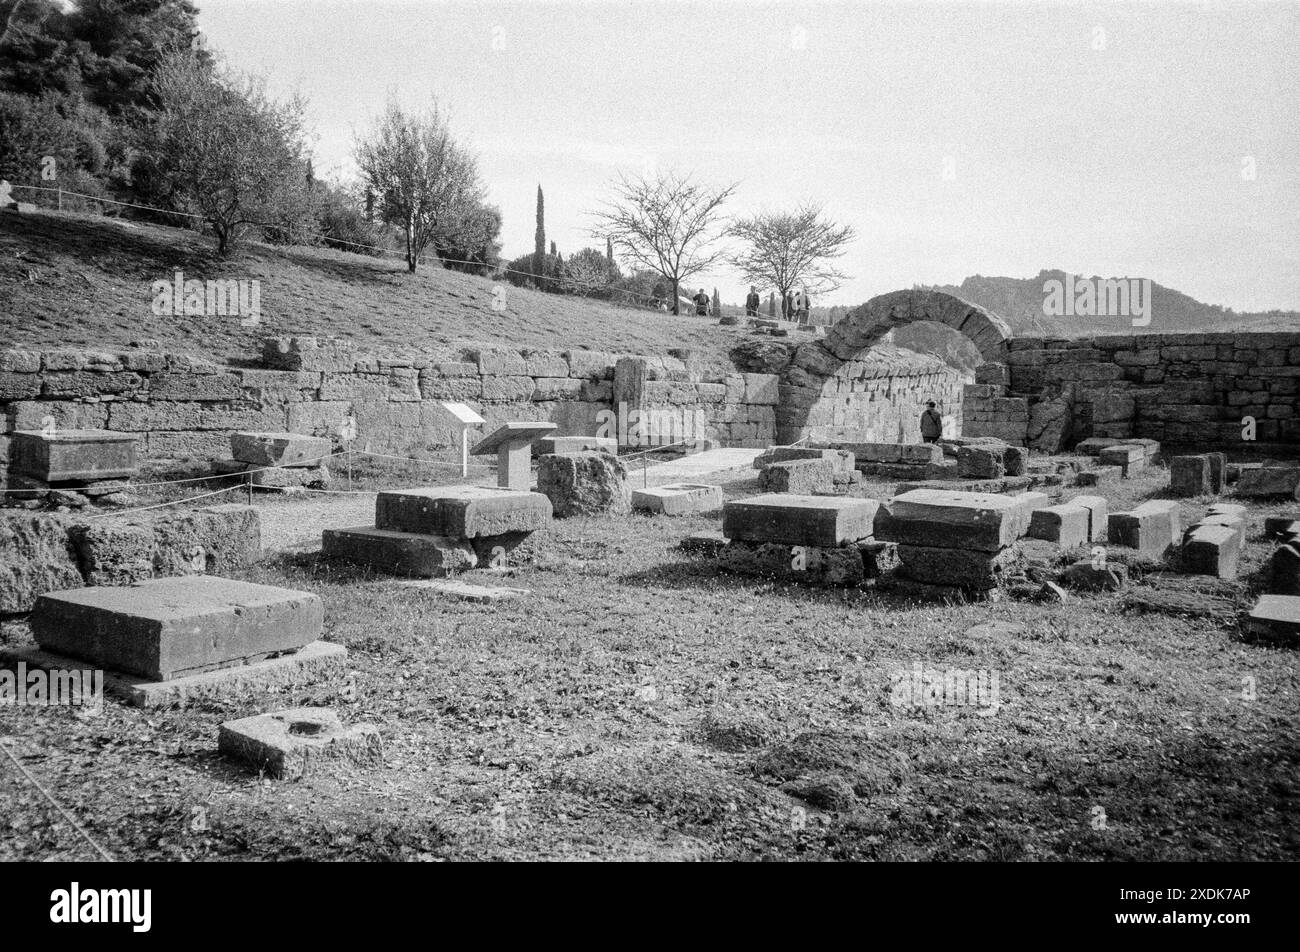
294 525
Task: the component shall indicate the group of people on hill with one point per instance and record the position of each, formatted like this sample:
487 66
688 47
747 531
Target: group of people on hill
795 307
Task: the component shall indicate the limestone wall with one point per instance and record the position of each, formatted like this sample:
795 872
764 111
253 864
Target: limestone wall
1181 389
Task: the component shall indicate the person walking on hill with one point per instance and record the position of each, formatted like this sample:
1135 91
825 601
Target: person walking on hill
752 302
702 302
931 424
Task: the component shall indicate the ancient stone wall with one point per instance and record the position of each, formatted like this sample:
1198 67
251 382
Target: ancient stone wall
1204 390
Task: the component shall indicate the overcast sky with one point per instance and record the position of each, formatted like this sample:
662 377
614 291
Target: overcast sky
1158 140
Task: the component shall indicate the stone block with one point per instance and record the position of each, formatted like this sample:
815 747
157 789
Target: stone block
825 521
1273 479
1284 570
279 449
967 568
36 556
1095 576
166 628
1277 527
945 519
69 455
1098 517
980 462
399 553
1212 550
548 445
1276 618
461 512
583 484
841 460
678 499
708 544
1189 476
1066 525
1130 459
894 452
1015 460
818 565
1152 528
1218 472
303 741
801 477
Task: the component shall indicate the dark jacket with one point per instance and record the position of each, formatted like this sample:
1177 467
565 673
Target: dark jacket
701 304
931 423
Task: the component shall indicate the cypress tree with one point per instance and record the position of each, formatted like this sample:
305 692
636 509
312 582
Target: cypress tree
717 303
609 250
539 241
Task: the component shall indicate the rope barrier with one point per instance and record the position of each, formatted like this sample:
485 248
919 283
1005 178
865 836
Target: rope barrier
163 505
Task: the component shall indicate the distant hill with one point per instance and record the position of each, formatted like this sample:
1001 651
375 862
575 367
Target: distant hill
1020 302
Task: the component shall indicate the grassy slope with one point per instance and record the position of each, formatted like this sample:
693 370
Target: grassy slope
527 729
85 281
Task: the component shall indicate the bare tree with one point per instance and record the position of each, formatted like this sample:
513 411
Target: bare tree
789 249
665 223
423 179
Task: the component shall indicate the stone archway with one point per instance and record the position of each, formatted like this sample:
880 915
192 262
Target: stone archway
818 371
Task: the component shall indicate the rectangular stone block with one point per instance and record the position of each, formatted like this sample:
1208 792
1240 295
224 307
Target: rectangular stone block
981 461
547 445
1276 618
1271 479
462 512
1152 528
816 565
1218 472
894 452
842 460
1066 525
279 449
1277 527
1130 459
399 553
945 519
1189 476
287 745
69 455
967 568
1098 517
678 499
1212 550
799 520
167 628
800 476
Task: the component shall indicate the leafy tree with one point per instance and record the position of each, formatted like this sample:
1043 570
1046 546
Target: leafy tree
223 150
666 223
790 249
424 180
588 273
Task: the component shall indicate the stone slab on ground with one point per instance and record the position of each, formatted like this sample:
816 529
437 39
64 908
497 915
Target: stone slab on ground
462 512
1151 528
842 460
801 477
699 465
1272 479
167 628
468 592
816 565
279 449
1218 472
68 455
800 520
294 743
1275 618
288 477
1284 570
1095 576
901 586
1067 525
548 445
1212 550
1130 459
313 662
678 499
956 520
399 553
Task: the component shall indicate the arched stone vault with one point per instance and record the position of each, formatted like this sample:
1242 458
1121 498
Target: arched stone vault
818 362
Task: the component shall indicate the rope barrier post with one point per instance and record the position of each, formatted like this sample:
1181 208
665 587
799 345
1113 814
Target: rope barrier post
349 464
250 489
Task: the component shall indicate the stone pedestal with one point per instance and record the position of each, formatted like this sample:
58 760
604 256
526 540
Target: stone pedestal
512 444
72 455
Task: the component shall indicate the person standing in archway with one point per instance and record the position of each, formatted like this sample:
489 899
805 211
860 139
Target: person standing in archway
931 424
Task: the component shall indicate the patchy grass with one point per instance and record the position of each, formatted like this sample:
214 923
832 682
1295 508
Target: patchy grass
641 705
84 281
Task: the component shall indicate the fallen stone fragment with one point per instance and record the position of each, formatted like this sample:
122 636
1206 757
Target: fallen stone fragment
678 499
467 592
1275 619
399 553
279 449
826 521
298 742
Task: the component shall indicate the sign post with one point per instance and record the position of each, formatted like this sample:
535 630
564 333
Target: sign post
466 417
